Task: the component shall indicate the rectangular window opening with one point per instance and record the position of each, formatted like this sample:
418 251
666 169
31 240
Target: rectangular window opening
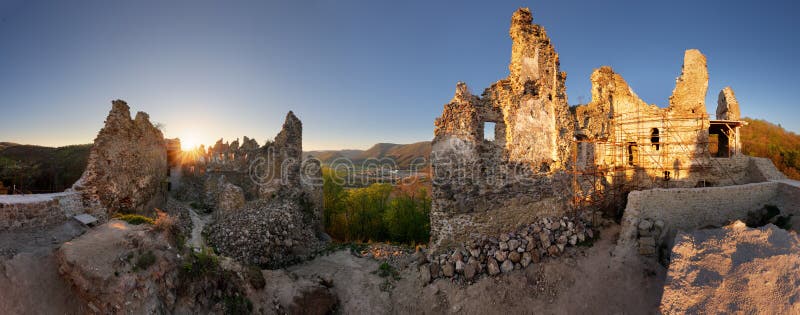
488 131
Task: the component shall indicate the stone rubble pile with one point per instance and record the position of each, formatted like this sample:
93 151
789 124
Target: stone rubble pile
266 233
510 251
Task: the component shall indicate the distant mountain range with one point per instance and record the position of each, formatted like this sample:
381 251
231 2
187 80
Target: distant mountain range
402 154
43 169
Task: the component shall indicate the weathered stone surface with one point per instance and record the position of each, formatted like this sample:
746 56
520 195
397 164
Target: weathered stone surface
647 246
127 167
425 274
727 105
460 266
492 267
553 250
471 270
500 255
645 225
448 270
691 87
507 266
526 259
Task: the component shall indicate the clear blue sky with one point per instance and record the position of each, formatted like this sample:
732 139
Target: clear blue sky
358 72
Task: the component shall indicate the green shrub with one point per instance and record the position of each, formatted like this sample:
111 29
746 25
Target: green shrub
386 270
200 264
134 219
144 261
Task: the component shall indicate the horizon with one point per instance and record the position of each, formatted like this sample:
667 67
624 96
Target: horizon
355 78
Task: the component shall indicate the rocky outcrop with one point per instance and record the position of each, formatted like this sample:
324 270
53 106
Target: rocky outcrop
121 268
691 87
482 185
735 269
127 168
727 105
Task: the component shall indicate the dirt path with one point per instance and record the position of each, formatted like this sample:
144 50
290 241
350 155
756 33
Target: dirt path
198 222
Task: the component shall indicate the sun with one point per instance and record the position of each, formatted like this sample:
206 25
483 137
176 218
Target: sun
189 142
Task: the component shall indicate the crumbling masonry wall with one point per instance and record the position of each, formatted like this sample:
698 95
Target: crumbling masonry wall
127 167
485 187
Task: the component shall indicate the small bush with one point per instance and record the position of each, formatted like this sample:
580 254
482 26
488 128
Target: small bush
134 219
386 270
166 223
238 304
144 261
200 264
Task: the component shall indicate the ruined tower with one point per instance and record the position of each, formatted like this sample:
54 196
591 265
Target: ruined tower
483 185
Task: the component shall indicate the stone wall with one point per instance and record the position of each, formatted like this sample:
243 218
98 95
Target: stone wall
689 209
127 168
485 186
39 210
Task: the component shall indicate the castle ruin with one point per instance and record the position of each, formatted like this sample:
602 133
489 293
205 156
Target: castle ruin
547 159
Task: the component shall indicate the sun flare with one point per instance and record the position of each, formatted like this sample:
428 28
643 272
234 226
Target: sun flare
189 142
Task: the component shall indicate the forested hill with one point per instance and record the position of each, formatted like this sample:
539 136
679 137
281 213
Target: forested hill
764 139
37 169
